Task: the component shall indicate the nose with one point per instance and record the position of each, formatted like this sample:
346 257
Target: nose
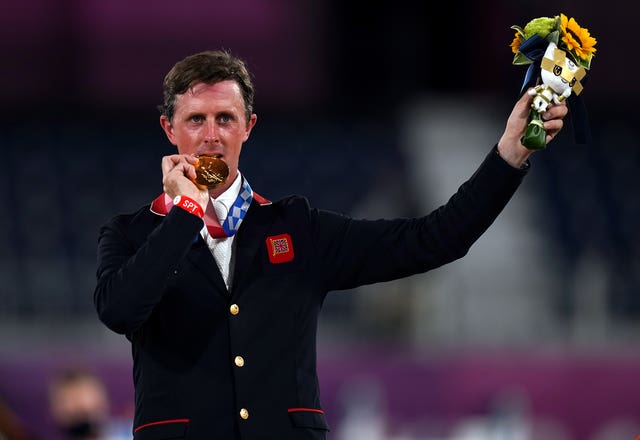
211 133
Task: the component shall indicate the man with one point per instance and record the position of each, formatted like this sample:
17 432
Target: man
80 408
224 346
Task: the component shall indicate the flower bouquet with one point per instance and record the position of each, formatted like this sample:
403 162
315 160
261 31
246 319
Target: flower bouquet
558 52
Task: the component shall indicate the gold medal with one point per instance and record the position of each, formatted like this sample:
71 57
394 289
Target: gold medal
211 172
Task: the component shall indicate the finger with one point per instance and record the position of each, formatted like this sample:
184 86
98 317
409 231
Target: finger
169 163
558 111
524 104
527 96
180 161
183 168
190 171
553 127
177 182
550 137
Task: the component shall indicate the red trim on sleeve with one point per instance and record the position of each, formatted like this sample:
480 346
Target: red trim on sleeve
161 422
319 411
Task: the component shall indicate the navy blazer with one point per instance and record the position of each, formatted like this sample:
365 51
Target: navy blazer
216 364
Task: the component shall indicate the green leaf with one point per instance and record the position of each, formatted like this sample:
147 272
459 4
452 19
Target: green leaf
520 59
518 29
558 22
553 37
585 63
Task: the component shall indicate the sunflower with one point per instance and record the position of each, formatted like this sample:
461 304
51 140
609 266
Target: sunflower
578 40
515 44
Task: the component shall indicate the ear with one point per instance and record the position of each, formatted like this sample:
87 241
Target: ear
250 124
165 123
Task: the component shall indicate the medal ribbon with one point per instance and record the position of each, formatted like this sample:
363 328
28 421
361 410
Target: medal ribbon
163 204
234 217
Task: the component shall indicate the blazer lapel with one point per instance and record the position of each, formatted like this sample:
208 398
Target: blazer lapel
249 240
200 256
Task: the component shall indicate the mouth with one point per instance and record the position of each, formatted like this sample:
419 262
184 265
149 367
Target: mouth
216 155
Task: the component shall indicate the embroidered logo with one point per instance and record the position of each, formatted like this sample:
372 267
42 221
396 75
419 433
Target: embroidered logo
280 248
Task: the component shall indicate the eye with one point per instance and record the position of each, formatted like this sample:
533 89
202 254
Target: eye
196 118
225 118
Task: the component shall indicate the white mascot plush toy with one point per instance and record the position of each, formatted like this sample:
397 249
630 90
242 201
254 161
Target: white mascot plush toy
559 77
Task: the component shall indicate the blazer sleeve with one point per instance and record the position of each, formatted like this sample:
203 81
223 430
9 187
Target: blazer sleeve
134 265
354 252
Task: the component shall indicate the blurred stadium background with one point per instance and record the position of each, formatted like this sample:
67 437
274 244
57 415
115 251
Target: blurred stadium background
374 109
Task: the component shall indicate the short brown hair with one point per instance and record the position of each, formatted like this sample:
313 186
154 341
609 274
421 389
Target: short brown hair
207 67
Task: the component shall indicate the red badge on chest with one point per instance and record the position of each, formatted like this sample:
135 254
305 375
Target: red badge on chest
280 248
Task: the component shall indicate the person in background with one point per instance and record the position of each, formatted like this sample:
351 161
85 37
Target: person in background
219 290
80 407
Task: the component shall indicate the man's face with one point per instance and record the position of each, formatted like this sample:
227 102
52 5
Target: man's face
210 119
84 400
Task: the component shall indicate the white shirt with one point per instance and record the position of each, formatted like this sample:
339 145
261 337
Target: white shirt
222 248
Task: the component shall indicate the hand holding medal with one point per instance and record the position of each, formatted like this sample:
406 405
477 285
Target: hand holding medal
558 52
180 173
